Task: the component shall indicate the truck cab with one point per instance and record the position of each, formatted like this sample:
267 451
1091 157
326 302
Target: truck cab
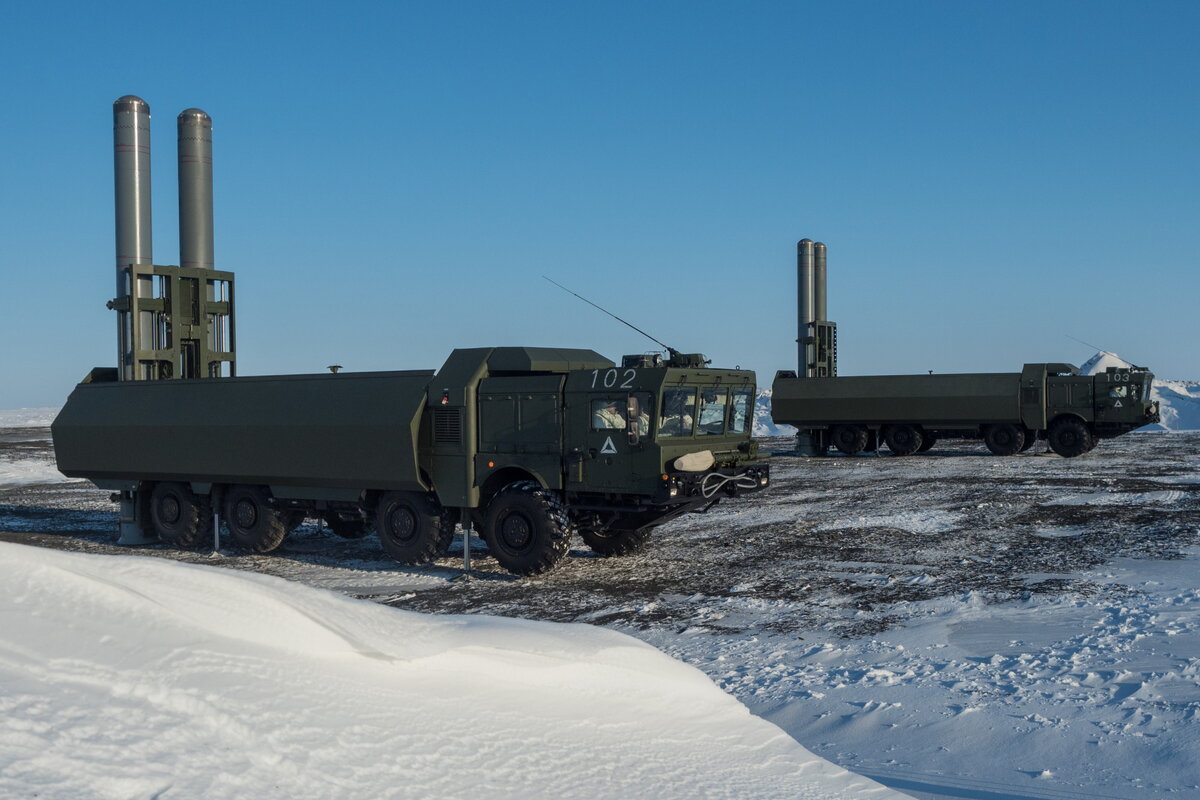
612 451
1108 403
659 431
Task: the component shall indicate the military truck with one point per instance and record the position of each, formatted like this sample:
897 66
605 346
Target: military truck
525 444
1009 411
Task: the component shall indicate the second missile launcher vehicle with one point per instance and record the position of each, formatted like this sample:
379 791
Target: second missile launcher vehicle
525 444
1009 411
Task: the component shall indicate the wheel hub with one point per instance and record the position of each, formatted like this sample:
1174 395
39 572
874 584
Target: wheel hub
402 525
516 531
245 513
168 510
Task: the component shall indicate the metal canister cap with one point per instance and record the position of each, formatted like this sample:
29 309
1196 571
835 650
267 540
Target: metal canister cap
131 102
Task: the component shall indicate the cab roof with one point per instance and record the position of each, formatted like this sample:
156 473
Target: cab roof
544 359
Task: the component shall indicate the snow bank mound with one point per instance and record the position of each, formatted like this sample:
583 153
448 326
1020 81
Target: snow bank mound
1102 361
763 424
1178 404
136 677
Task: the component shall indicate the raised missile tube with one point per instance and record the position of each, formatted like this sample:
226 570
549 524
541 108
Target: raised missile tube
131 154
195 189
820 309
806 300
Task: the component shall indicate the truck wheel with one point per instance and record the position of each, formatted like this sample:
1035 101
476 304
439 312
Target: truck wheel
1004 439
1030 440
927 443
253 522
180 518
346 528
850 439
608 542
527 529
1069 437
902 440
412 528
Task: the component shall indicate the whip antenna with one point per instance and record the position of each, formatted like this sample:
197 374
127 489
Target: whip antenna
667 347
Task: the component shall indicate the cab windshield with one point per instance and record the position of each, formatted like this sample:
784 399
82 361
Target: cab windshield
678 416
705 411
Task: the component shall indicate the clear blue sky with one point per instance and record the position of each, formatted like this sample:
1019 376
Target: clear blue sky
393 179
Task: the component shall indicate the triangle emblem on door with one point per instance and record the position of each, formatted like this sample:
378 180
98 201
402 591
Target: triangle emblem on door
609 448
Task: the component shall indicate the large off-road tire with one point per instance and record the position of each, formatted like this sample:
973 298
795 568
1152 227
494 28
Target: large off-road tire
346 528
179 517
253 522
1030 441
1069 437
609 542
927 443
527 529
902 440
413 528
849 439
1004 439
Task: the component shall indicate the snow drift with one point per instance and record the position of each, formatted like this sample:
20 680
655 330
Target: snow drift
138 677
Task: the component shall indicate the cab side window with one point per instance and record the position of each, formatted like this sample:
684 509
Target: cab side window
608 413
678 412
615 412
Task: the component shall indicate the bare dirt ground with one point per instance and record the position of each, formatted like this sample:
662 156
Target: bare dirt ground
833 545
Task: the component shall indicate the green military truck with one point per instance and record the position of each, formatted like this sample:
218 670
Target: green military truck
1009 411
527 445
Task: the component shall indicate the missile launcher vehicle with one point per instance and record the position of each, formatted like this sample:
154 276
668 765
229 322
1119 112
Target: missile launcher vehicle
910 413
526 444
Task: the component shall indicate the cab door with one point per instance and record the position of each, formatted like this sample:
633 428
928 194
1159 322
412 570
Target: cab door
1117 397
616 425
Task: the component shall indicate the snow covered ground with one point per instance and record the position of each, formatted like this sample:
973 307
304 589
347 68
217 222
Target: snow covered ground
130 677
952 625
27 417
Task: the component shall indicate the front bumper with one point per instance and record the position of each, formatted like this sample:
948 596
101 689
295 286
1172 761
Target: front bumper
680 487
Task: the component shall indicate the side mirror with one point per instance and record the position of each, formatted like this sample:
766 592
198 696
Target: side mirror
633 413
